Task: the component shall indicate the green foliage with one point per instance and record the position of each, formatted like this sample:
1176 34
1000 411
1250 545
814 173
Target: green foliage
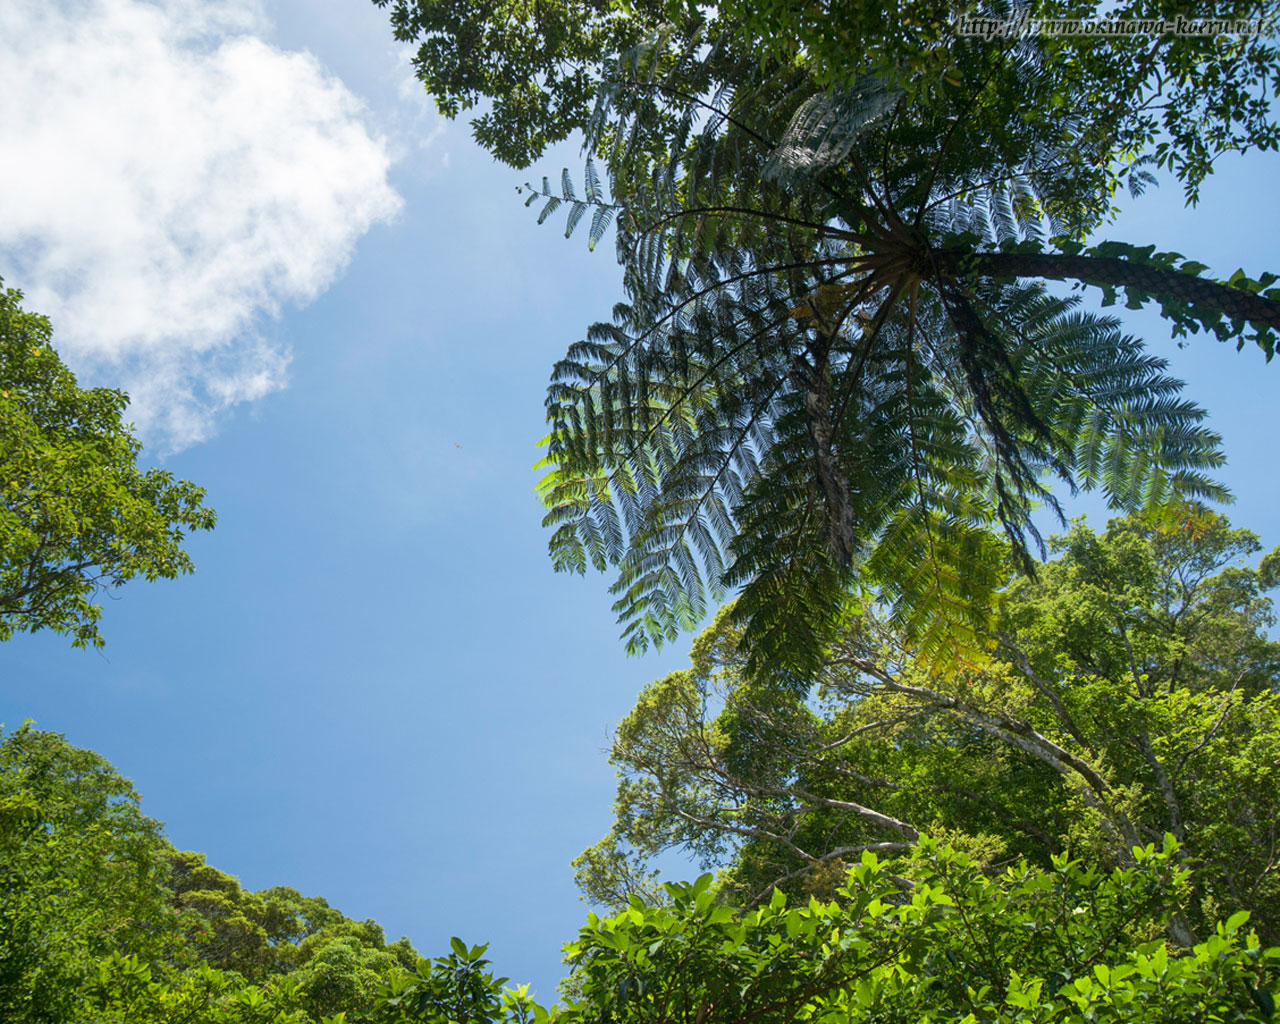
1174 101
76 514
947 942
1170 101
227 923
1240 308
340 973
81 875
123 990
103 922
824 384
456 987
96 929
535 62
1132 692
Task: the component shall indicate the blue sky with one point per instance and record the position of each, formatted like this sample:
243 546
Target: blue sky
374 688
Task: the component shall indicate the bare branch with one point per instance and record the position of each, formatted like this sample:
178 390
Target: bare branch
1047 691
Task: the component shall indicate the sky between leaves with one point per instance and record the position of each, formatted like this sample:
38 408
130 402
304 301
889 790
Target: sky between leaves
332 311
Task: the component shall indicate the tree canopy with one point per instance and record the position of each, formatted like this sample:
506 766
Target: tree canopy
940 781
77 515
1132 691
103 922
81 872
1148 97
824 376
947 942
1154 98
826 379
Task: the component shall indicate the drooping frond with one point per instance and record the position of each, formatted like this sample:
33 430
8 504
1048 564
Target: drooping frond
824 129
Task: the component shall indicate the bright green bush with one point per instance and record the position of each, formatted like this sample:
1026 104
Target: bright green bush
945 943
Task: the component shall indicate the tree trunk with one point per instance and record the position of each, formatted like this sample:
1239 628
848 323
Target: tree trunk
814 381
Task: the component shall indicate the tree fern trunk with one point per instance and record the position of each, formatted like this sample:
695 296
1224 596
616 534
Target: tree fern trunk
814 381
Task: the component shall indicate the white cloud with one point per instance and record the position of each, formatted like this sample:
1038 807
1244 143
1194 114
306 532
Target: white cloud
166 180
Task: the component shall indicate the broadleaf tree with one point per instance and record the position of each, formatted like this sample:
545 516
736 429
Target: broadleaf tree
943 941
1161 94
103 921
78 517
81 875
1133 691
1176 100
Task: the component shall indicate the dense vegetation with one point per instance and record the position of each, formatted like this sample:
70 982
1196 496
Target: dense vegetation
103 922
1130 691
102 919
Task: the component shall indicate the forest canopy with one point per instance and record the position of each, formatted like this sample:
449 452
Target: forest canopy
102 921
1131 690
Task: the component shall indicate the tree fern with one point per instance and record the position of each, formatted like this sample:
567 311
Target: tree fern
805 394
